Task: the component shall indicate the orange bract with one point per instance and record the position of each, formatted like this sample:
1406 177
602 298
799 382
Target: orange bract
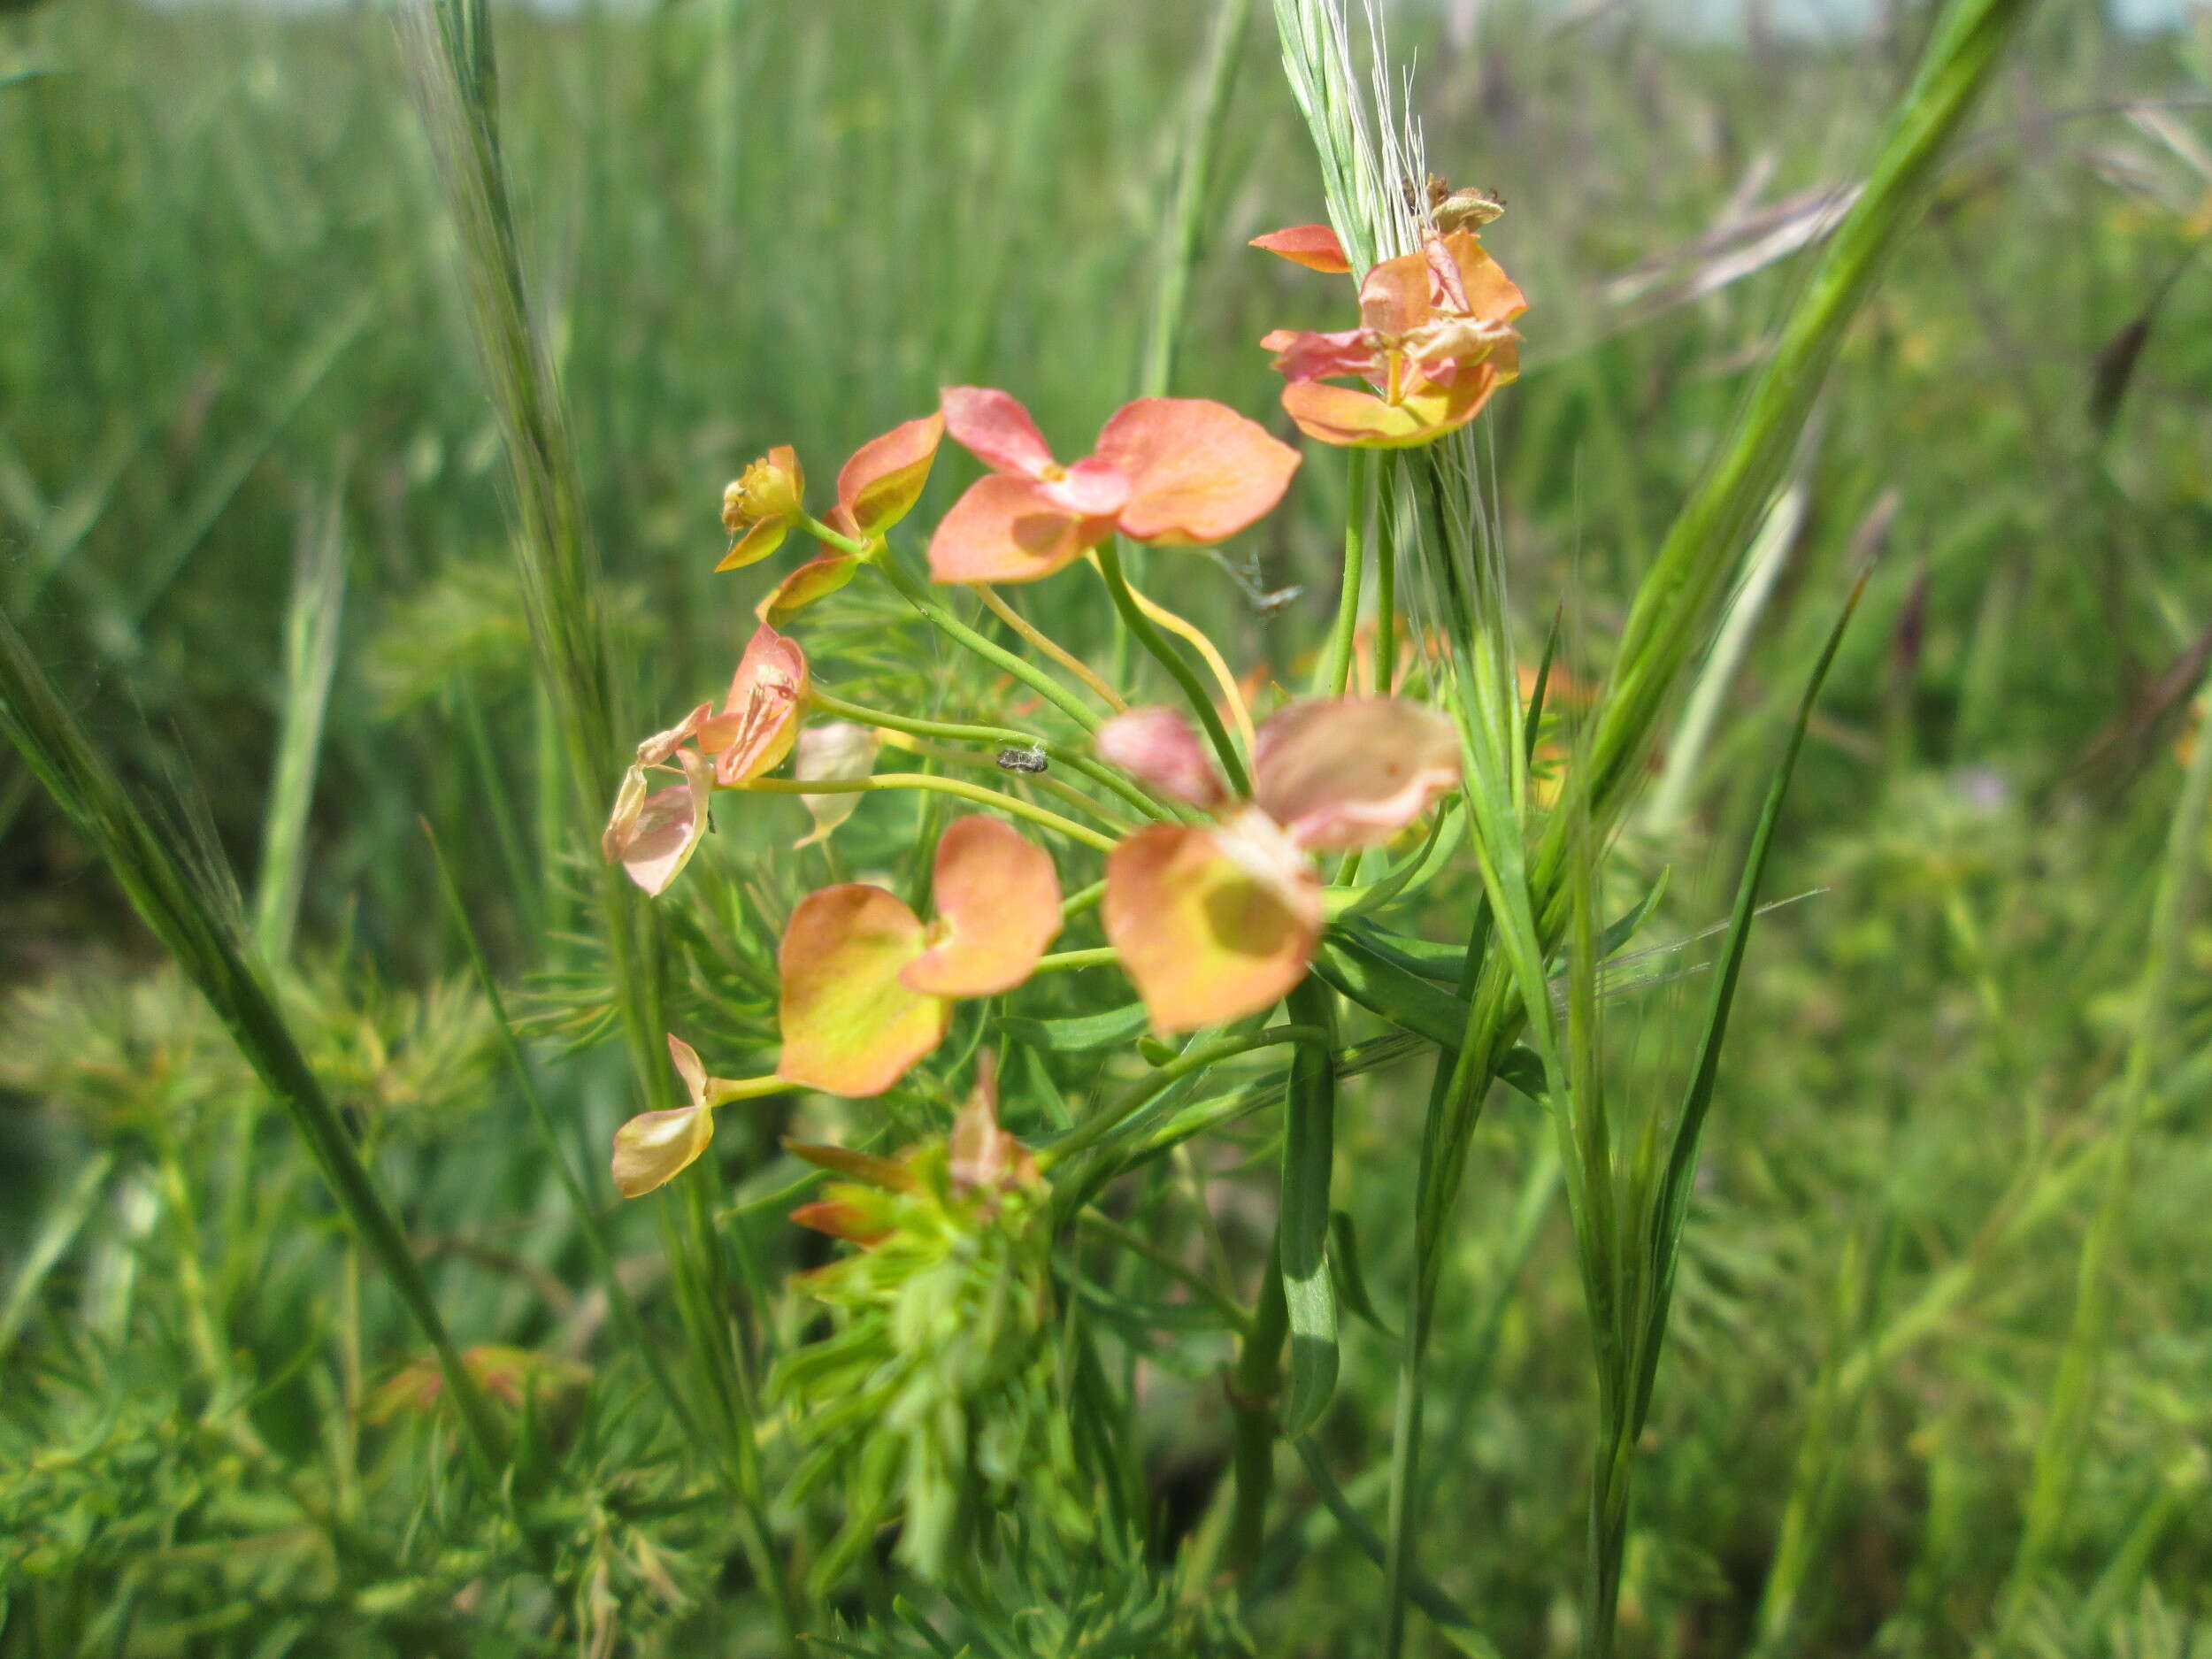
998 902
1313 246
868 989
1217 921
1174 471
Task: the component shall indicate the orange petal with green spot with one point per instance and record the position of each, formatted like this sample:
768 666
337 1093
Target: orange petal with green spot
998 901
850 1026
1211 924
1005 530
1198 471
1360 420
884 479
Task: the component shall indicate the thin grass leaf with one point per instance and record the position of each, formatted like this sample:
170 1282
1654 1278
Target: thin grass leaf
311 660
48 738
1303 1224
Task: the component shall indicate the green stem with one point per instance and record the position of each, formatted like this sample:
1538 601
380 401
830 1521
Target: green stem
1100 956
1336 671
942 619
1385 574
1096 1127
1254 1382
966 791
952 732
1141 628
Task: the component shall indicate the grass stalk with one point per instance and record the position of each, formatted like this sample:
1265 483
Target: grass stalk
2063 1443
311 659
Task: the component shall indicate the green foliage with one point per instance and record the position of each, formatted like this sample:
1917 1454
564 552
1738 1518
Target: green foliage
936 1395
1933 1374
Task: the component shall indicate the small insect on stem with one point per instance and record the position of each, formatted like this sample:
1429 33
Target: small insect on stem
1030 759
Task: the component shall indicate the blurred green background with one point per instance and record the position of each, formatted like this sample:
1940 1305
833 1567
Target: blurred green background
237 381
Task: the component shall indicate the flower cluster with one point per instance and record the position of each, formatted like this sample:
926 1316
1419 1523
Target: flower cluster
1214 907
1435 339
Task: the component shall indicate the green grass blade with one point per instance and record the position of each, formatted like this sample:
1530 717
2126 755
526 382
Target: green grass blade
63 1221
1303 1226
311 659
1675 601
59 751
1679 1182
2063 1443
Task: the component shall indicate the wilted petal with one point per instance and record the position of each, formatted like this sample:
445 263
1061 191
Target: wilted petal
690 1068
1198 471
993 426
1394 295
816 579
1352 772
1005 530
998 904
654 1147
884 479
1312 246
629 805
657 842
983 1157
1449 346
837 752
850 1026
1314 356
759 722
1355 420
1211 924
661 745
1161 748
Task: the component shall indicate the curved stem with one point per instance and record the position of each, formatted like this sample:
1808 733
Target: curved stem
1140 625
1231 694
1385 576
1042 641
1066 792
942 619
974 792
1096 771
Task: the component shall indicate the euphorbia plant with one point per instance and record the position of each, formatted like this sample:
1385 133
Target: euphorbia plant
1198 849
